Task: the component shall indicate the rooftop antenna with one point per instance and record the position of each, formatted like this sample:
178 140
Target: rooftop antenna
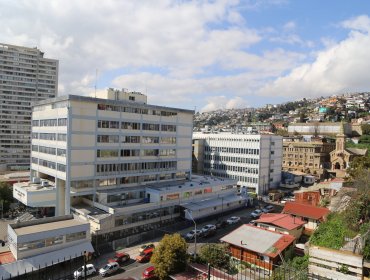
96 79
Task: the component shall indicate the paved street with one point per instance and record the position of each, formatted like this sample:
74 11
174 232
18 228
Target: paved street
133 270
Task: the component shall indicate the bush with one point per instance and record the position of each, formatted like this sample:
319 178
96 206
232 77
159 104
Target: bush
331 233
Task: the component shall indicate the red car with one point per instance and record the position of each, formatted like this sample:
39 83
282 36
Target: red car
145 255
149 273
120 258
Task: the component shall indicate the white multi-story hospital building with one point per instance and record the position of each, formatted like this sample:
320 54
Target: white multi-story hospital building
119 163
254 160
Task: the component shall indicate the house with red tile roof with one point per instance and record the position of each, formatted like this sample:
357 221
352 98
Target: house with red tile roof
283 223
312 215
259 247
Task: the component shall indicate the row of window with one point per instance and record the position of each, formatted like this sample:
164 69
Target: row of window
245 151
50 122
51 241
49 164
135 153
135 110
243 169
141 166
136 126
231 159
136 139
50 136
235 140
49 150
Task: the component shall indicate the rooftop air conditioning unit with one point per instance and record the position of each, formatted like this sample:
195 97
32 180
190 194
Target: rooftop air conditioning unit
44 183
35 180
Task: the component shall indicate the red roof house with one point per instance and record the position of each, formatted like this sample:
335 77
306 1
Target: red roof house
283 223
257 246
312 215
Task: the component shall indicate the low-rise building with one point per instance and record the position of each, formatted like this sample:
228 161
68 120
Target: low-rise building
259 247
283 223
312 215
45 242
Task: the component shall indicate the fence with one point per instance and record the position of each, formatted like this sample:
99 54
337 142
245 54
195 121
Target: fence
62 270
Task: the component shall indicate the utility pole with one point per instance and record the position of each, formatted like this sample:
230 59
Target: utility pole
195 229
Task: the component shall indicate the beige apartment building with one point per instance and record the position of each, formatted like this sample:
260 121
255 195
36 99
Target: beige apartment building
311 157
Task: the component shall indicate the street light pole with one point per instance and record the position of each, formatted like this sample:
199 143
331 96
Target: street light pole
195 228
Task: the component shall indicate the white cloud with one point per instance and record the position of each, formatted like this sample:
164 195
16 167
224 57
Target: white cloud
290 25
342 67
182 52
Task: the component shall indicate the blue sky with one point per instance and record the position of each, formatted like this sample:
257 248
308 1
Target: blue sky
199 54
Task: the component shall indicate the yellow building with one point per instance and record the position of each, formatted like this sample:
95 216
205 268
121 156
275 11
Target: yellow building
310 157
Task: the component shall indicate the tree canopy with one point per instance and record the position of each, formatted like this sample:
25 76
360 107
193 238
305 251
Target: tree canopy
170 256
217 255
6 195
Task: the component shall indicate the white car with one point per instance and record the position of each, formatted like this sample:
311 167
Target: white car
191 234
80 273
207 228
109 269
256 213
233 220
268 208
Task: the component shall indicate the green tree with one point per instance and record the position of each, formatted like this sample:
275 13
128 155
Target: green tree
365 129
217 255
170 256
6 195
358 166
357 212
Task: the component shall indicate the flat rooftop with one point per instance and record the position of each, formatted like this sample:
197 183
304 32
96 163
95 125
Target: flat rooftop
32 187
196 181
45 224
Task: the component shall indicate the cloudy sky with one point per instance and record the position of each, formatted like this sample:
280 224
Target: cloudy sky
199 54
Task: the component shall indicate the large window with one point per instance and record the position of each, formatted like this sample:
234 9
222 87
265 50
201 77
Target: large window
62 122
130 139
108 124
149 140
130 125
151 126
168 127
107 153
108 138
75 236
62 137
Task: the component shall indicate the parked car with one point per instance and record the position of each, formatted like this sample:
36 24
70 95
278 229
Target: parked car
109 269
233 220
149 273
207 228
256 213
80 273
146 246
268 208
209 233
145 256
252 222
221 224
120 258
191 234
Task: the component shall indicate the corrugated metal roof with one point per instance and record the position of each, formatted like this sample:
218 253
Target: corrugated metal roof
305 210
258 240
